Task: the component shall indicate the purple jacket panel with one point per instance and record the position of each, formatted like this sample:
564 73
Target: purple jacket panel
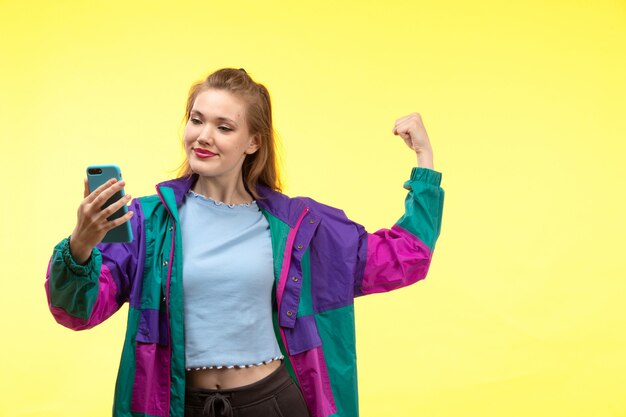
303 336
333 257
281 206
126 260
153 327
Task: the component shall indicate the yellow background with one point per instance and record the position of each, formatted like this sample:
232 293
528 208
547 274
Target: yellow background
523 311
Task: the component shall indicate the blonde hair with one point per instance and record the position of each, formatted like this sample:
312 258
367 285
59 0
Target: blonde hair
261 166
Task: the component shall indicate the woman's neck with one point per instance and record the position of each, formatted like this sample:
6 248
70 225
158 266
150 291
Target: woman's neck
231 192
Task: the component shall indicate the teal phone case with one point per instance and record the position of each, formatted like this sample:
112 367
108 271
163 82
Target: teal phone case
123 232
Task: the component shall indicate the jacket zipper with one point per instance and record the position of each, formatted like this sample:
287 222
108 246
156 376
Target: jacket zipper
169 265
167 300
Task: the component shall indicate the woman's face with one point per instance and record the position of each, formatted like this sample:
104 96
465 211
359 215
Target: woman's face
216 136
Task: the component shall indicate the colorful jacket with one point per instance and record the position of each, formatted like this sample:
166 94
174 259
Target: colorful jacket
322 261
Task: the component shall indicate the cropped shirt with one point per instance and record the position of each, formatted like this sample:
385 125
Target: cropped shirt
228 277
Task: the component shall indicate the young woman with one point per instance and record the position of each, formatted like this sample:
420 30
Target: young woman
240 298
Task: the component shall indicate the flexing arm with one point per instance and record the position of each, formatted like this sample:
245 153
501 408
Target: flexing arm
393 258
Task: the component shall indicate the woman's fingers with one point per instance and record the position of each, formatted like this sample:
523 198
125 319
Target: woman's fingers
411 129
107 193
403 129
96 193
107 212
404 119
120 220
92 224
86 189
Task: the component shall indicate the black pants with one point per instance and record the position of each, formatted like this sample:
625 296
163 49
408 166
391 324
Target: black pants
276 395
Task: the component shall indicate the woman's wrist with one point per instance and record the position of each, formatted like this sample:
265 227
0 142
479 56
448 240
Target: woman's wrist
80 253
425 158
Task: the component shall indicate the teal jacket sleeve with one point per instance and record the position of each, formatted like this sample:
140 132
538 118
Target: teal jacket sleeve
82 296
394 258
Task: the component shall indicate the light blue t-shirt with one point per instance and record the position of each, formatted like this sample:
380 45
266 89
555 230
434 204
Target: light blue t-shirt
228 274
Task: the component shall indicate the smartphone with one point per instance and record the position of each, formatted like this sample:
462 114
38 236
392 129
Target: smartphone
98 175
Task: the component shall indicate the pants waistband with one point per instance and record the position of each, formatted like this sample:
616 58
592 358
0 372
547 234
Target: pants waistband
242 396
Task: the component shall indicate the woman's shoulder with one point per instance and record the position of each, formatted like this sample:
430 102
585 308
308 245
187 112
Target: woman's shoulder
149 199
146 206
321 208
330 216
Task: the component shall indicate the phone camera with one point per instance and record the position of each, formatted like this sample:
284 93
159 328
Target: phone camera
95 171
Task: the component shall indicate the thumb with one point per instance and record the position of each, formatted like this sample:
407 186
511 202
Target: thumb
86 190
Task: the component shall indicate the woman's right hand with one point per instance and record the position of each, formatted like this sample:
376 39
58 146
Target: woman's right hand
92 222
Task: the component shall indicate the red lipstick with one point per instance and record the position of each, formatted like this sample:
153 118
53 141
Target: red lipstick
203 153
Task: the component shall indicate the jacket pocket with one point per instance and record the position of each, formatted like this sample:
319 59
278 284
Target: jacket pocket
153 327
303 336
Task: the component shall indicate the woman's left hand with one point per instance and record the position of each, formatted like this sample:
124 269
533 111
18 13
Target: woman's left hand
412 130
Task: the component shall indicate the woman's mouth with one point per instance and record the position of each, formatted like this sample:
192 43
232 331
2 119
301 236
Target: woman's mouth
203 153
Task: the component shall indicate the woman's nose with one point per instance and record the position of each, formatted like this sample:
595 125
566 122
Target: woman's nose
205 136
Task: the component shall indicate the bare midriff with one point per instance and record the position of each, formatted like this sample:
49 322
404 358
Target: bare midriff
229 378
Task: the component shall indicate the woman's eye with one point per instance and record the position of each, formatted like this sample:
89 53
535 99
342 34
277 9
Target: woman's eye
225 128
195 121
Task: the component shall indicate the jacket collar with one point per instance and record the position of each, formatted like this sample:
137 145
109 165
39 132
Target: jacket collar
276 203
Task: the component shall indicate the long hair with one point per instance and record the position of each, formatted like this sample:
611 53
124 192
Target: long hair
261 166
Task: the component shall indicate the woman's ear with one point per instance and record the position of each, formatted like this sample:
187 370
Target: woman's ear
254 145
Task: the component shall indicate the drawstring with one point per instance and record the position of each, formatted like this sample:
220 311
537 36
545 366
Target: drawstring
210 406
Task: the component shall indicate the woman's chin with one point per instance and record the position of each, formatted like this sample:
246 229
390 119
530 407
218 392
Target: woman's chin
202 167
